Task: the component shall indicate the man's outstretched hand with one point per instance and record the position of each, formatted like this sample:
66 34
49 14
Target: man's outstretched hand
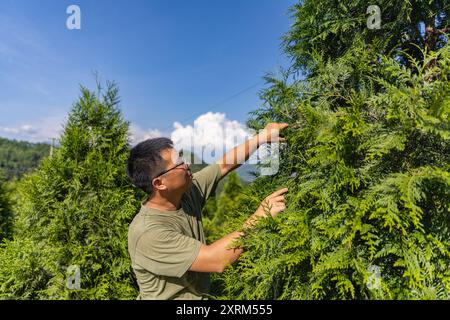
272 204
271 133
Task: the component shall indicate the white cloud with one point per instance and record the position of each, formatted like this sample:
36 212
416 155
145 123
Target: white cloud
42 131
137 134
52 127
23 129
210 136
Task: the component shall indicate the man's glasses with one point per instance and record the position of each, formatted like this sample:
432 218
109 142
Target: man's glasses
181 162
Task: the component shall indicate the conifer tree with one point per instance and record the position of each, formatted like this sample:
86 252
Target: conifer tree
74 212
367 160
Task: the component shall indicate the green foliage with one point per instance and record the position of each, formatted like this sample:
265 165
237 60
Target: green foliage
23 269
75 210
367 164
223 207
6 215
328 27
20 157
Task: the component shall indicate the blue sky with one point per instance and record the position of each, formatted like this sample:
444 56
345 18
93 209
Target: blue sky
174 61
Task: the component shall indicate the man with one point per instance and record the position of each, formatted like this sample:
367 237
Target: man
166 242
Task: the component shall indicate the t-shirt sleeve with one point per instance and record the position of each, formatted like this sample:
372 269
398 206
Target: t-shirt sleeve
166 252
205 181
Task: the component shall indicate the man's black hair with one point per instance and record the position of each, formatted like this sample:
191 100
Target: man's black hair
145 162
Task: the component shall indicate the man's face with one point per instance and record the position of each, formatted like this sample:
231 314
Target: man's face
179 176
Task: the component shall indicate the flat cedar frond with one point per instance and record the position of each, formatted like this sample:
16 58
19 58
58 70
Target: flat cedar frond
367 164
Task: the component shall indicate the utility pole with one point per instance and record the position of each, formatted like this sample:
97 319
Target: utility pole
52 146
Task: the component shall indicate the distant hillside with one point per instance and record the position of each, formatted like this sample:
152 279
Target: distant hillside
247 173
19 157
243 171
196 163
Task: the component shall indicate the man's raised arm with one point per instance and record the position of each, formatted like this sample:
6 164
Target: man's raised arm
239 154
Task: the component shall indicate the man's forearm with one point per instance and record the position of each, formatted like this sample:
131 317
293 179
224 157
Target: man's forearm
239 154
223 251
224 248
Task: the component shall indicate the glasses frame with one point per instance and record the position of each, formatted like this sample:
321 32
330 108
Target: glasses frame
183 162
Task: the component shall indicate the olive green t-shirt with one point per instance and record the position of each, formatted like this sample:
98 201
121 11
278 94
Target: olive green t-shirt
164 244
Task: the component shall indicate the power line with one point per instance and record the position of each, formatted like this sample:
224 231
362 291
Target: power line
219 103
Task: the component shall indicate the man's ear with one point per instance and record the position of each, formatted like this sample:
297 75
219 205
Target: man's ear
158 185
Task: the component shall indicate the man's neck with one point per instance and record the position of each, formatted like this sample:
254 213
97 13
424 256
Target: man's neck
159 202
